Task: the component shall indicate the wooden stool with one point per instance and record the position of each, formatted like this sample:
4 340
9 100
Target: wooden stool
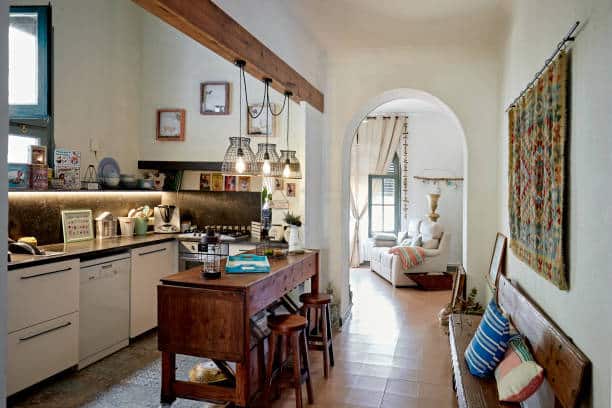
319 337
291 329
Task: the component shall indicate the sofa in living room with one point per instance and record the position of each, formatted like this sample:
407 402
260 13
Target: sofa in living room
424 233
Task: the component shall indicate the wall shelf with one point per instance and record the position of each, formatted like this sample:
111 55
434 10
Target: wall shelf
179 165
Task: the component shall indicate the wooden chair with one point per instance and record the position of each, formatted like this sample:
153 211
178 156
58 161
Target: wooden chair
290 330
319 333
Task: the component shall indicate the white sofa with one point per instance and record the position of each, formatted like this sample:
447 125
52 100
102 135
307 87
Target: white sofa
389 266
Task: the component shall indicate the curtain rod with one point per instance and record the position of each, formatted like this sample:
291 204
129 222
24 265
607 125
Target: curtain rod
569 37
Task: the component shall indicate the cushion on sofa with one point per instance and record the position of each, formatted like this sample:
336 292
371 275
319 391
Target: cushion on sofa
431 230
383 236
518 376
384 244
401 236
489 343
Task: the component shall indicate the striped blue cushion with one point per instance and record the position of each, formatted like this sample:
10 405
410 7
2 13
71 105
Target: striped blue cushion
490 342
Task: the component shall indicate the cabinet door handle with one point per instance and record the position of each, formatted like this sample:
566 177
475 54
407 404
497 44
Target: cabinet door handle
45 273
152 252
61 326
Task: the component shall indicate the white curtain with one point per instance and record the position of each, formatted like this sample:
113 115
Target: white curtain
372 152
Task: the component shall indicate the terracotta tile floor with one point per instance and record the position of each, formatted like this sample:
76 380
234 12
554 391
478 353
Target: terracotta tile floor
392 353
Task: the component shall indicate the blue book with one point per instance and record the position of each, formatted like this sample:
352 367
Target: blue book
247 263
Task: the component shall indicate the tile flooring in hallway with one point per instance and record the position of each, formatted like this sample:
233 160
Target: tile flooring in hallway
392 353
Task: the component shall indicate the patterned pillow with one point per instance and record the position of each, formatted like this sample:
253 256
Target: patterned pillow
490 342
518 376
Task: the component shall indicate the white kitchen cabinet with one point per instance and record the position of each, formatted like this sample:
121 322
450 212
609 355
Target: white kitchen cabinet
43 322
40 293
40 351
149 265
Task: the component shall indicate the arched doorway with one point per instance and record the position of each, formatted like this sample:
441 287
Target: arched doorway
341 281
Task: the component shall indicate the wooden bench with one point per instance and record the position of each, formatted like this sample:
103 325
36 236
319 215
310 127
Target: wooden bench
565 366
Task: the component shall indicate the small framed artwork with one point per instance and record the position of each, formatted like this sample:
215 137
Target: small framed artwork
171 125
257 126
290 189
279 204
244 183
77 225
38 155
217 182
214 98
230 183
205 182
458 287
278 184
497 260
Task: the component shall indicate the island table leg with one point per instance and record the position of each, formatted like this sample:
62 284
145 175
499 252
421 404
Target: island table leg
168 377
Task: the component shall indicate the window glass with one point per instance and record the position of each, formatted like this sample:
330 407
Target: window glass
18 148
23 58
384 200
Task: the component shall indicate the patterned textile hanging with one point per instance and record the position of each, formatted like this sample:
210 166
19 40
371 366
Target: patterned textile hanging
405 177
538 132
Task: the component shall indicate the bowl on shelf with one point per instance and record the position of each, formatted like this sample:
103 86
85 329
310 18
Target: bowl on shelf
111 181
128 181
145 184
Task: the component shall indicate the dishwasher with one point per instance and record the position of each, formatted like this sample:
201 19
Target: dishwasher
104 307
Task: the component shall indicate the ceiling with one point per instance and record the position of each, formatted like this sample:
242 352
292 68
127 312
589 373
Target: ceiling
339 24
404 106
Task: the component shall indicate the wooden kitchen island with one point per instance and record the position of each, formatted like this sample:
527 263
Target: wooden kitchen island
212 319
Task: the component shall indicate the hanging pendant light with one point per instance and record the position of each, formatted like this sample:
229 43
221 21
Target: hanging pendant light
267 158
288 160
239 157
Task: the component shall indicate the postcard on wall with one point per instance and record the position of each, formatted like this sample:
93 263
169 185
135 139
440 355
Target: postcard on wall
230 183
278 184
244 183
205 182
279 204
290 189
217 182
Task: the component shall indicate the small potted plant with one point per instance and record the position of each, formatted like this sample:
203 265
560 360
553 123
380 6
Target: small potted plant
293 238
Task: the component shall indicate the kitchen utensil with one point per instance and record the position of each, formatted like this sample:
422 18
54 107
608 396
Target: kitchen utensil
128 181
140 226
167 219
126 224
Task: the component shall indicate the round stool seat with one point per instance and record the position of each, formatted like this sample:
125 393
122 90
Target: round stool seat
287 323
315 298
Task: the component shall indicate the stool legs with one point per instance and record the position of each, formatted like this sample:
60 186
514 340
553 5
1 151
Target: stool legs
329 331
306 359
270 366
297 375
325 341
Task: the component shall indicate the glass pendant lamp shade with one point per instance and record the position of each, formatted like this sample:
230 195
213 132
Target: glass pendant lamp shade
267 158
290 165
239 157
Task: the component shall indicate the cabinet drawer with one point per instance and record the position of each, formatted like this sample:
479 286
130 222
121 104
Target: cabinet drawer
41 351
41 293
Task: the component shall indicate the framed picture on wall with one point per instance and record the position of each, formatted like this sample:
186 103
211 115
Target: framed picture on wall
205 182
215 98
171 124
77 225
244 183
497 260
257 126
290 189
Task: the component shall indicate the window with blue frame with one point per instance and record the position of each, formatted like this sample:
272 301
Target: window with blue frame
29 80
384 200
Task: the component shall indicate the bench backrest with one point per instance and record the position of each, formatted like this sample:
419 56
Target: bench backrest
565 366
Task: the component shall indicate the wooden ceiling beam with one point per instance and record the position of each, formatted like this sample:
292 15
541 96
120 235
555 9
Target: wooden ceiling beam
209 25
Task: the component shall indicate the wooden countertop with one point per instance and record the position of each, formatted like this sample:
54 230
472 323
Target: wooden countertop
233 281
85 248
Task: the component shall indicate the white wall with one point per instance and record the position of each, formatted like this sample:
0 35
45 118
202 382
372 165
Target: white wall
435 149
466 80
96 84
3 195
581 312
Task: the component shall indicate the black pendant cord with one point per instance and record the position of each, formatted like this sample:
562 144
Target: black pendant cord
281 109
287 96
241 65
569 37
246 97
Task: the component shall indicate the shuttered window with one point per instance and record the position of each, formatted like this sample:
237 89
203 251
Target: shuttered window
384 199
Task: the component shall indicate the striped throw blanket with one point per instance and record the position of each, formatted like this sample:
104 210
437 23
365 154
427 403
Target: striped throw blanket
409 255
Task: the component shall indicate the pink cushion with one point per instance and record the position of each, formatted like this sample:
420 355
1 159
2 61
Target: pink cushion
518 376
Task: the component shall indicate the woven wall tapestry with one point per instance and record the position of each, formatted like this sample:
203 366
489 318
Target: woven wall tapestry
538 132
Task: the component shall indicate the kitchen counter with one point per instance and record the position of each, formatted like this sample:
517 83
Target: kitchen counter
87 249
